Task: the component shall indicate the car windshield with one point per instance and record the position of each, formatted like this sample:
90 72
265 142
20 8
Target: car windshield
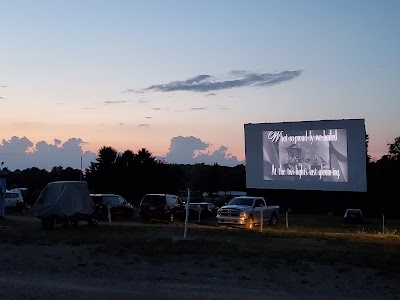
354 212
241 201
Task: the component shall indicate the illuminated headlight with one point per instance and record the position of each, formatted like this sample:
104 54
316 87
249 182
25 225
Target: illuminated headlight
243 214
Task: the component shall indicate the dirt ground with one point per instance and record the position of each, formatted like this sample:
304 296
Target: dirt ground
62 265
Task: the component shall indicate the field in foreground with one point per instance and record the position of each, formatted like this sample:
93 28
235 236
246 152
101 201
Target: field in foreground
317 257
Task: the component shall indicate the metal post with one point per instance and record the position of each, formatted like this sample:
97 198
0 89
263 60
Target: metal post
2 197
287 219
383 223
109 213
187 215
199 209
262 219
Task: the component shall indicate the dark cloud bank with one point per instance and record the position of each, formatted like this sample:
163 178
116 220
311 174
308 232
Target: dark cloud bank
234 79
21 153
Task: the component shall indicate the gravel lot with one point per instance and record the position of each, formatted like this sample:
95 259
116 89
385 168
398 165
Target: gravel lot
61 265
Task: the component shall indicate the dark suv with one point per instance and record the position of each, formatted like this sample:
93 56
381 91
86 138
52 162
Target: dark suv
163 207
354 216
118 206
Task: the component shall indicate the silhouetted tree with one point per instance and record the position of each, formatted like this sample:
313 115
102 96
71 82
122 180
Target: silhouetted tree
366 148
394 149
101 174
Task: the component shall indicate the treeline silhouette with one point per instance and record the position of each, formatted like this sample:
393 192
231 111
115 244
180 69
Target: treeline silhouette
133 175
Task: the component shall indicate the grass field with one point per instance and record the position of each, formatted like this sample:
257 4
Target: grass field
321 239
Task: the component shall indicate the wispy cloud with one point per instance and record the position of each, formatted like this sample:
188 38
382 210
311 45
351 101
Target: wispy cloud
144 100
3 86
234 79
116 102
2 98
88 108
143 125
198 108
159 108
148 117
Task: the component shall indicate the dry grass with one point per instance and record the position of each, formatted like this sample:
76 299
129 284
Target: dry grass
320 239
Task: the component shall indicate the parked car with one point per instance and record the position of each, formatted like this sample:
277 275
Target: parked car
118 206
65 202
164 207
353 215
247 211
206 209
14 200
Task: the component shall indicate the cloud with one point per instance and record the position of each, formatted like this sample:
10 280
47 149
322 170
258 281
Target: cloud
191 150
148 117
2 98
143 125
143 100
198 108
116 102
88 107
21 153
234 79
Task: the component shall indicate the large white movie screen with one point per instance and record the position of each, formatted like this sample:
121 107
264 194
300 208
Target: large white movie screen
308 155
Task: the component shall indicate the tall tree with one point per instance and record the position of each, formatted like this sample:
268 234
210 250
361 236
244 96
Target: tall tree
394 149
145 157
366 148
101 174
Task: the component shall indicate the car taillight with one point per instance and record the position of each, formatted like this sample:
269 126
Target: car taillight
165 207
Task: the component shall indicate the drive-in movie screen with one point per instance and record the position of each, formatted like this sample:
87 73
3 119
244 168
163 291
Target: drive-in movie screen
325 155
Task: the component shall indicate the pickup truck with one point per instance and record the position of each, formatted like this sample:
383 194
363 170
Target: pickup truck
246 211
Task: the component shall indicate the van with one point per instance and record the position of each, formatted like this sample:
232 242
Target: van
14 200
163 207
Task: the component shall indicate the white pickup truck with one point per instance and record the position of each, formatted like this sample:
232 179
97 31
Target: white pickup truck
247 211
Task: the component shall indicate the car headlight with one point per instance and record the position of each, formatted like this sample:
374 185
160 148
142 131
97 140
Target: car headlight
218 212
243 214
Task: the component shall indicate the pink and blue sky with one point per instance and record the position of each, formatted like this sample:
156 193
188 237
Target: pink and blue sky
181 78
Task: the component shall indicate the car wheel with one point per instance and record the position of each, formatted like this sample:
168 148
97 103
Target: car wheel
48 224
250 223
171 218
68 223
273 220
92 221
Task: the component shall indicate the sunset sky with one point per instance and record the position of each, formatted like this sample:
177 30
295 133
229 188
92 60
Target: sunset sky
181 78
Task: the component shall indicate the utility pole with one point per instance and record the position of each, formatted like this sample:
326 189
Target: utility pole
80 173
2 193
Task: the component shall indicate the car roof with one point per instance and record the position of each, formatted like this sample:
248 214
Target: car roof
161 195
